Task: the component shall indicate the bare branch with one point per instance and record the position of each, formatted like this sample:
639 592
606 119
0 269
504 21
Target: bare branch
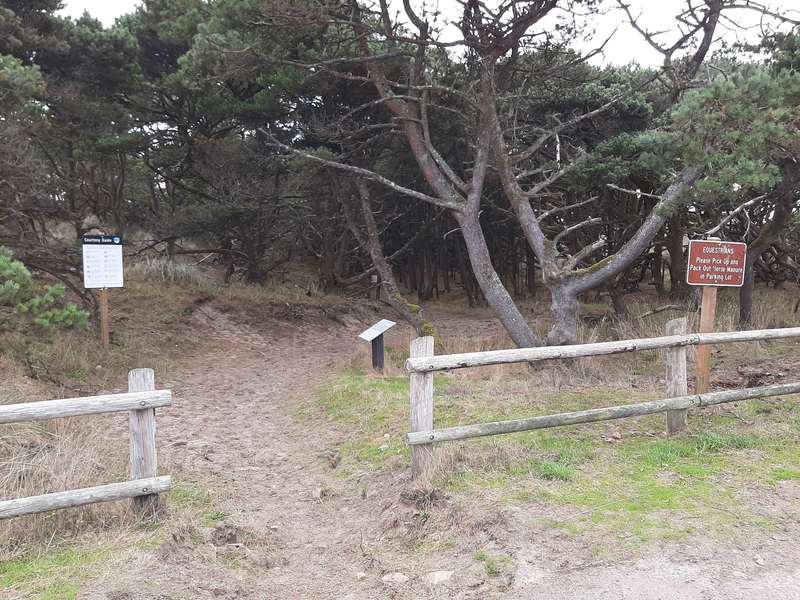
542 139
743 206
758 7
560 209
364 173
536 189
576 227
585 253
637 193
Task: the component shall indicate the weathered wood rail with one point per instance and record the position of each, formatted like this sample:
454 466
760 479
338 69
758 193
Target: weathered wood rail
144 486
600 414
422 364
517 355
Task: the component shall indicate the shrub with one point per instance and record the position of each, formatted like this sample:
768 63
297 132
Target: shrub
24 302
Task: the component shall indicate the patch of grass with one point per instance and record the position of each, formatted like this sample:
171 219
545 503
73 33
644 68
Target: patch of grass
494 564
78 375
374 410
553 470
368 401
56 574
661 454
716 442
196 501
396 356
783 474
213 516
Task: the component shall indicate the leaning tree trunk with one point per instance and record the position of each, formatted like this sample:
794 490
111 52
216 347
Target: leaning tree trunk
371 242
657 267
493 290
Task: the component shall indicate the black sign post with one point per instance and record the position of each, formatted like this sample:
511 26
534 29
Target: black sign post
374 335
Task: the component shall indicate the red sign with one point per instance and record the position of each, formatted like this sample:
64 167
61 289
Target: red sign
716 263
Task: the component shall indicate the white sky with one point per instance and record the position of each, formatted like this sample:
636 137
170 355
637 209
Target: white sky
625 46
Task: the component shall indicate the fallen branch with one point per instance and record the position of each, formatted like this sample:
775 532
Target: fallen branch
655 311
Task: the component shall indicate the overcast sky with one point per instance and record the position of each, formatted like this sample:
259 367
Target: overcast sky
625 46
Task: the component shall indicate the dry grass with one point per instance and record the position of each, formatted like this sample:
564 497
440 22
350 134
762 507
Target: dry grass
149 322
54 456
771 309
162 270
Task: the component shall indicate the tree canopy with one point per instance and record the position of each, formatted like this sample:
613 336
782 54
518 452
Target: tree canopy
478 149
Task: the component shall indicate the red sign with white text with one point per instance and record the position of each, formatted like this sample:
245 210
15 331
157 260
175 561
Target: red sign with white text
716 263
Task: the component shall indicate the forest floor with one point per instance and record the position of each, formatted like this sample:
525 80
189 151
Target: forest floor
291 479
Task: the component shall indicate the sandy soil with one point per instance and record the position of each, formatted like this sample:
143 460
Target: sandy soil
295 530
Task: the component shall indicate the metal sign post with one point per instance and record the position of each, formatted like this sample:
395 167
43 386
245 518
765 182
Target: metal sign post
712 264
375 335
102 269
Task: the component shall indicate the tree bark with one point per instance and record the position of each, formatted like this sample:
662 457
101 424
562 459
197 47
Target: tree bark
371 242
769 233
678 288
746 292
493 290
658 270
564 308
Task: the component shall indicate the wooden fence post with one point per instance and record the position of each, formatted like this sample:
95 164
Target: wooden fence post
105 328
677 384
708 312
421 395
142 425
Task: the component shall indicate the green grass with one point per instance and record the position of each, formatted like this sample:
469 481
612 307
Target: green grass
370 406
783 474
621 478
58 574
54 575
494 564
196 500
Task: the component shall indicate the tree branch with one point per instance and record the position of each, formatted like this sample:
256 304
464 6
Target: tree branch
365 174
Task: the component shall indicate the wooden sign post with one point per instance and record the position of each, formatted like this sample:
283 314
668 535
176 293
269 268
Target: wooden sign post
375 335
712 264
102 269
102 307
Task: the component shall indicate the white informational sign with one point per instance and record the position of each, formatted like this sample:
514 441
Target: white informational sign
102 261
378 329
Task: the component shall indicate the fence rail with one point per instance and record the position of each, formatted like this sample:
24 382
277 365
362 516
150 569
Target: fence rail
446 362
594 415
422 364
76 407
81 497
144 485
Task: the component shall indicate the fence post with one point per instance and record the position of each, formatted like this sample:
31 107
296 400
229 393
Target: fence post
142 424
677 385
421 395
708 310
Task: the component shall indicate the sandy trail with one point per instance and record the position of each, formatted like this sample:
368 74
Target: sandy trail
294 529
232 430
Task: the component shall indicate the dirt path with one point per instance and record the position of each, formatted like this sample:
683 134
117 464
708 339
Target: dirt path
293 529
232 431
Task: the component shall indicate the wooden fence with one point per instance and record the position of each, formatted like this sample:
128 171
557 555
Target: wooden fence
144 486
423 363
